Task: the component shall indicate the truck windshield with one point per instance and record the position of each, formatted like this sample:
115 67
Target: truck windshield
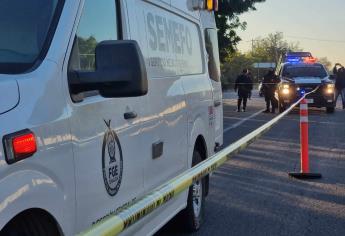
26 29
304 71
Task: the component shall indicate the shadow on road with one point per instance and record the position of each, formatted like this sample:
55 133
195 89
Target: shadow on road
253 195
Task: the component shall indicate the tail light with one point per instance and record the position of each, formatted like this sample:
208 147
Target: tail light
310 60
19 146
211 5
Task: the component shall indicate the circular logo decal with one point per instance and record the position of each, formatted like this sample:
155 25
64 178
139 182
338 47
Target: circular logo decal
112 162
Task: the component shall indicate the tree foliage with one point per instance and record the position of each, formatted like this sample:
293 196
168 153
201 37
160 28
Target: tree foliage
228 23
270 48
233 66
86 47
324 61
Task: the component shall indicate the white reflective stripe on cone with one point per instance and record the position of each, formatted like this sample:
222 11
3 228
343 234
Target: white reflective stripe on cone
304 106
304 119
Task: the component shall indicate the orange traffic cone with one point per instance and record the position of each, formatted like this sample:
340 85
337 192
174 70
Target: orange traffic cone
304 127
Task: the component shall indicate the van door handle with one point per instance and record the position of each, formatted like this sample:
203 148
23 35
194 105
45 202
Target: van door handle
130 115
217 103
157 149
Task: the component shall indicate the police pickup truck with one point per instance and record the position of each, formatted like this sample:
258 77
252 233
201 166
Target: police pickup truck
101 102
300 74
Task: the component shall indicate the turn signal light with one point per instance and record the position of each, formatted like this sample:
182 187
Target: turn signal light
211 5
19 146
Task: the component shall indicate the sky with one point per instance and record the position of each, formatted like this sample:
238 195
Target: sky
300 20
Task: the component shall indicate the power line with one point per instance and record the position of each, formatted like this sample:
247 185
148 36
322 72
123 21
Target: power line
316 39
300 37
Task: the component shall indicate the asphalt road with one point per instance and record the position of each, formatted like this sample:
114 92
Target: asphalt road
252 193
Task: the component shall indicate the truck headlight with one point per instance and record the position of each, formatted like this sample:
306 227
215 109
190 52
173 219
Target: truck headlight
330 88
286 91
286 86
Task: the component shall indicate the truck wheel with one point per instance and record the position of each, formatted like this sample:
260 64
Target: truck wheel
330 110
193 216
27 224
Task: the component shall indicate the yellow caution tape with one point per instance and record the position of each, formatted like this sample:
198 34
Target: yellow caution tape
113 225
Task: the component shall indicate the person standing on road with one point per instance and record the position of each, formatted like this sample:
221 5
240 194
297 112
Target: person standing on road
251 78
269 86
244 87
340 82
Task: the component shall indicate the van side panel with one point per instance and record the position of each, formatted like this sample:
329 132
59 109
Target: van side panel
185 7
45 180
179 96
209 29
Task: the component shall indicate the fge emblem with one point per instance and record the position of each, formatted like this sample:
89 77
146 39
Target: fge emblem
112 161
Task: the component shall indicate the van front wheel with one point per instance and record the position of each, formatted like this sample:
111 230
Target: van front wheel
193 216
35 222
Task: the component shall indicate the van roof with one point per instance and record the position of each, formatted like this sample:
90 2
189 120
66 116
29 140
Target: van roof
184 6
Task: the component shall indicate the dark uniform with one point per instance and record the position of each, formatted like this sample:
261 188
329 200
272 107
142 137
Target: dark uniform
340 82
244 87
269 86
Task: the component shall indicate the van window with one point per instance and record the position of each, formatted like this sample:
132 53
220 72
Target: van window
98 23
213 54
26 29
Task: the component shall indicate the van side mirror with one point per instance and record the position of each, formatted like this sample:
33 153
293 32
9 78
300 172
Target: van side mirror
120 71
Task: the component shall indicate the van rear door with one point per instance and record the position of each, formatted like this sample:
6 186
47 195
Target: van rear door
211 41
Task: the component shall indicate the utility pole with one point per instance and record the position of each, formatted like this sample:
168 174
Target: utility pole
252 47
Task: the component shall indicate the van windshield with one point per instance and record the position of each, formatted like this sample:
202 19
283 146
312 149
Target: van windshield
304 71
26 31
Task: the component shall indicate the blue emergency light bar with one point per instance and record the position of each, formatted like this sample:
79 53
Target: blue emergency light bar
294 59
299 57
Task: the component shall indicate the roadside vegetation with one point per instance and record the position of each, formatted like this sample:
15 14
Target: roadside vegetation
267 49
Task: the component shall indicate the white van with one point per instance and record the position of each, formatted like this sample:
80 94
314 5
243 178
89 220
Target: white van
100 103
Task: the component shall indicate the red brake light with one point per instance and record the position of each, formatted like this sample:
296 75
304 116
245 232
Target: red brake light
24 145
19 146
310 60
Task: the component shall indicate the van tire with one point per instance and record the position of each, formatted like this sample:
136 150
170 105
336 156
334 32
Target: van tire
192 217
28 223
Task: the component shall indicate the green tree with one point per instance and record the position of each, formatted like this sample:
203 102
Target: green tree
324 61
234 65
228 23
87 48
270 48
